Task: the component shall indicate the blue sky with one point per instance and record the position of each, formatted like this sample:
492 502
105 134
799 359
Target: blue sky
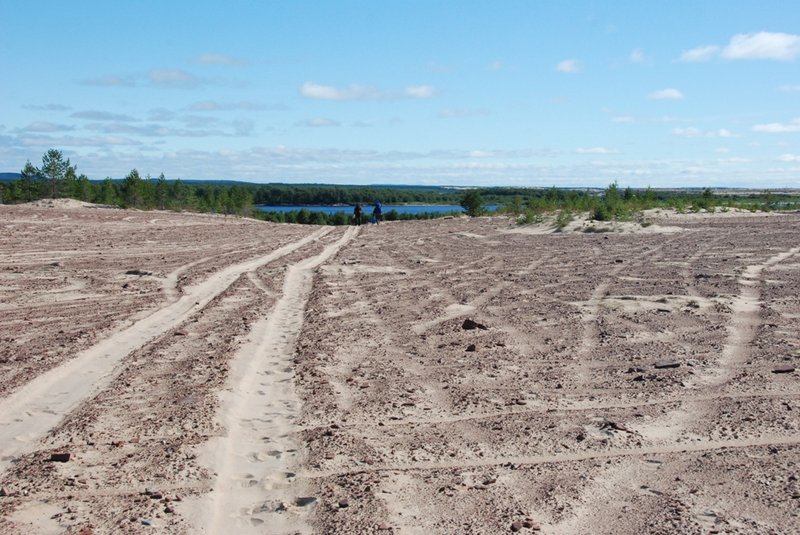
418 92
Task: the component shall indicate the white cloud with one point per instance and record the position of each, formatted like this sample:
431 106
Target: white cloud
46 127
420 91
319 122
596 150
637 56
789 158
789 88
172 78
102 116
461 113
217 59
700 53
46 107
569 66
666 94
763 45
778 128
697 132
111 81
363 92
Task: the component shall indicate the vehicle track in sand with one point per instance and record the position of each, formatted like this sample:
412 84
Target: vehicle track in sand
254 483
28 413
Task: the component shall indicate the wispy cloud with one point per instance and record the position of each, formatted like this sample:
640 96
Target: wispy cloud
73 141
363 92
319 122
779 128
111 81
173 78
666 94
212 105
596 150
700 53
461 113
46 127
217 59
761 45
697 132
94 115
793 158
638 56
46 107
789 88
569 66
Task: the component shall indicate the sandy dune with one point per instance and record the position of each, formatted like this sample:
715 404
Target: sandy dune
178 373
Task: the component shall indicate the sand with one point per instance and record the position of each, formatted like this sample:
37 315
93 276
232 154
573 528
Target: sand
207 374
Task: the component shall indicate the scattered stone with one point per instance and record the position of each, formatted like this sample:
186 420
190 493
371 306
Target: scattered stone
302 501
783 369
516 526
471 325
344 503
384 526
663 364
156 496
182 332
471 348
169 510
147 522
3 491
581 437
60 457
137 272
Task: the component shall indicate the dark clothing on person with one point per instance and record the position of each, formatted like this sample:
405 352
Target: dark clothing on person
357 215
377 213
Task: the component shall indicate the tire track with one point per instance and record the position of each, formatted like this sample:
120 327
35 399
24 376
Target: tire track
253 487
31 411
710 445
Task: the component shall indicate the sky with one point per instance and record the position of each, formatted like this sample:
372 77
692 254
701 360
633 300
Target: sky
463 93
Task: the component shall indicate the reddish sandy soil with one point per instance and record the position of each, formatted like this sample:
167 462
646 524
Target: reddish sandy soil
450 376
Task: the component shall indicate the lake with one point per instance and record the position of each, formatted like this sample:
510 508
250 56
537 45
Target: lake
401 208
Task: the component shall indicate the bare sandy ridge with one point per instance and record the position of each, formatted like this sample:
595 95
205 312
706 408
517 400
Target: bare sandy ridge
360 391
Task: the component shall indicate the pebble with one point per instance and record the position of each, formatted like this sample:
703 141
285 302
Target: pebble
667 364
516 525
3 491
344 504
60 457
383 526
783 369
471 348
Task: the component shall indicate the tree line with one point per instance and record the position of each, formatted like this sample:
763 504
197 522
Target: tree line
58 177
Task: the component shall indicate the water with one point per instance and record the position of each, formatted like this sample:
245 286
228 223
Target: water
400 208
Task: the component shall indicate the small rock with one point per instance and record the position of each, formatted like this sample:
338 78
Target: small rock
147 522
3 491
531 524
344 503
783 369
663 364
60 457
169 510
470 325
383 526
516 526
302 501
181 333
471 348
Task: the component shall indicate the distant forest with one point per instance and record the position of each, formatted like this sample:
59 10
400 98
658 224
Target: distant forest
57 177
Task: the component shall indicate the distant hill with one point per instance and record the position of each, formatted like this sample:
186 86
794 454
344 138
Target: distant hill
9 177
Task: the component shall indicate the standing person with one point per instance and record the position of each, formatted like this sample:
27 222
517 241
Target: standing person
357 214
377 213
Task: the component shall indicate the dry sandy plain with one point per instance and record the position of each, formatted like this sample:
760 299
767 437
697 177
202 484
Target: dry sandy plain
179 373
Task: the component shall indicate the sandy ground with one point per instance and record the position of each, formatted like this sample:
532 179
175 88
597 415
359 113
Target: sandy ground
179 373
